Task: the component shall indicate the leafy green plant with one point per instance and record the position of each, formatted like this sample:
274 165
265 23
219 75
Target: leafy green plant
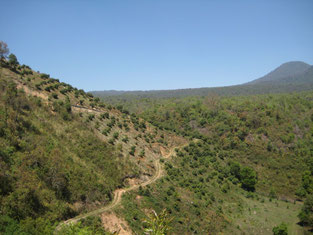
158 224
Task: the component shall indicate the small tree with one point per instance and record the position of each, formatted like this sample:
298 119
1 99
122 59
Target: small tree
132 150
4 50
13 60
248 178
115 135
125 139
142 153
234 168
280 230
307 182
54 95
306 214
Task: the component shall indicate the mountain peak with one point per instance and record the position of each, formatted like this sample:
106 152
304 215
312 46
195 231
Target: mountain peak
286 70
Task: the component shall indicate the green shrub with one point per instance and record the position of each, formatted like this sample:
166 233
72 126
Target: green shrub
248 178
132 150
54 96
280 230
44 76
115 135
125 139
306 214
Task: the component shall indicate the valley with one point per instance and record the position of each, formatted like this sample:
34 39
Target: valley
72 163
156 117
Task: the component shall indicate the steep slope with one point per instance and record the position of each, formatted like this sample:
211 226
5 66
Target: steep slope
51 168
287 72
63 152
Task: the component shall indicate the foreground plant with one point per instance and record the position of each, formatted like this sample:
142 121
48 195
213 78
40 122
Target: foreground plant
158 224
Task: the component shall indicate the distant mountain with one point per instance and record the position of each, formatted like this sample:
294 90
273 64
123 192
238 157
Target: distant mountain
289 77
288 72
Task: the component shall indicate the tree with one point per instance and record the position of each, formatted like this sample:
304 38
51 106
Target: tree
307 182
306 213
13 60
235 169
4 50
115 135
280 230
248 178
132 150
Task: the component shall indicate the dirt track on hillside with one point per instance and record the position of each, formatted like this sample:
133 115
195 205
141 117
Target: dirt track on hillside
118 196
117 193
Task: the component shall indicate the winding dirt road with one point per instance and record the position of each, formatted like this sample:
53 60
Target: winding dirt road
117 197
119 193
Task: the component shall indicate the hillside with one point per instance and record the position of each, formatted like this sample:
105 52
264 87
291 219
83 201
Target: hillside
270 135
287 72
71 163
64 153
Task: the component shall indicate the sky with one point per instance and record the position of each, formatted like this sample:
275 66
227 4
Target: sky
152 45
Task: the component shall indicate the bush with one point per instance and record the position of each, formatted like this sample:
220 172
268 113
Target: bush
142 153
37 86
132 150
90 95
54 96
91 117
125 139
44 76
48 88
115 135
306 214
248 178
280 230
111 141
63 91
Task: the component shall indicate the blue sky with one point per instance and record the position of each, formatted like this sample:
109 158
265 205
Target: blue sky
164 44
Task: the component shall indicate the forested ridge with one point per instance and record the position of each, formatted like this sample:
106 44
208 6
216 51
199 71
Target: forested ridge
294 76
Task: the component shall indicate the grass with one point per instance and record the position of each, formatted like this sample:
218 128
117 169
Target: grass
251 216
240 215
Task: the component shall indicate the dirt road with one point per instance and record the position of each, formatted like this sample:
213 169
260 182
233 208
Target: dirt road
117 197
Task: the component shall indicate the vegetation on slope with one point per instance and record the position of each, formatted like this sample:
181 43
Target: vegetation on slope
48 165
289 71
269 133
204 196
252 143
63 152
